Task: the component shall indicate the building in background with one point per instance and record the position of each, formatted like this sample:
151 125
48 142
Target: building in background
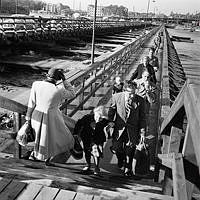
90 11
52 10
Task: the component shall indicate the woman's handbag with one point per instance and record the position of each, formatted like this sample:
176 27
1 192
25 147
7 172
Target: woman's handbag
25 134
142 157
77 151
69 122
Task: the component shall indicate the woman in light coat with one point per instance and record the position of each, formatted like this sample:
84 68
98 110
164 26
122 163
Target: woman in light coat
53 138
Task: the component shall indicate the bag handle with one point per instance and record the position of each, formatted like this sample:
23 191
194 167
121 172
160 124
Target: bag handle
142 142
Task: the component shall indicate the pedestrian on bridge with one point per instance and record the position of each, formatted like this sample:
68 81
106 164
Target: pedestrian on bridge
118 85
90 128
128 112
53 139
157 41
153 60
147 90
137 74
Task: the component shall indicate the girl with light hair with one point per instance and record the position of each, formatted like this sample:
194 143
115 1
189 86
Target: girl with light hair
101 121
90 128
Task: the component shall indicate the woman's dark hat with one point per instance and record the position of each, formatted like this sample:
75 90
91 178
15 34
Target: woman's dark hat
54 73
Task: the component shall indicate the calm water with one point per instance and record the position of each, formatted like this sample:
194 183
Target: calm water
189 53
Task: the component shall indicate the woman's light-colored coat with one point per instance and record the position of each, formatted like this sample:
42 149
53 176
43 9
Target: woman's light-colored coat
52 135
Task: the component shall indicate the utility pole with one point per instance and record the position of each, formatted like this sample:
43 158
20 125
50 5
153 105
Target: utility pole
73 4
147 13
148 8
93 32
79 5
16 7
154 9
28 7
0 6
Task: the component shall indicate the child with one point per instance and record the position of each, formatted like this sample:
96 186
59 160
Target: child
118 85
90 128
153 60
99 135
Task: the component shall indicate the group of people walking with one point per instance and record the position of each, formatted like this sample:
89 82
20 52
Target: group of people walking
130 111
126 118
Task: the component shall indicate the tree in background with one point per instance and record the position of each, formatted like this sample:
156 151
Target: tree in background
114 10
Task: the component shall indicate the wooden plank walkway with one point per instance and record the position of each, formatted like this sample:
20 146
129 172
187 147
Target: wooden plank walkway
25 181
23 191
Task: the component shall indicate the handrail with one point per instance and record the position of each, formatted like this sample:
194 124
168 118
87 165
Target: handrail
106 68
12 105
184 110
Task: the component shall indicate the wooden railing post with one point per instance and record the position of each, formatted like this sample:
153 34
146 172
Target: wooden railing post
17 127
179 182
171 145
65 109
81 96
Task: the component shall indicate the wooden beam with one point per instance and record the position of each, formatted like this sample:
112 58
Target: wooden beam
178 103
192 113
8 134
165 144
47 193
30 192
65 195
167 186
12 190
174 140
12 105
179 182
188 147
166 160
186 139
190 188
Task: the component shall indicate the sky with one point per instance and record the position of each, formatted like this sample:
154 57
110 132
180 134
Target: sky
157 6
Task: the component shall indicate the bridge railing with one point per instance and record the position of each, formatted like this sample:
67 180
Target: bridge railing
178 166
102 70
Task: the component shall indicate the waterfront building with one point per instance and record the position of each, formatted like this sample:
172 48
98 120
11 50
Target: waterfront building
99 13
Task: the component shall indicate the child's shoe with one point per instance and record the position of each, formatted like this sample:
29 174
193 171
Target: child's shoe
86 169
96 171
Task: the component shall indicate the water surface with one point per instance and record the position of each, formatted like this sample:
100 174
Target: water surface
189 53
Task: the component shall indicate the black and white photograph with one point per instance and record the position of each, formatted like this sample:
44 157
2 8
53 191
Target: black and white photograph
99 100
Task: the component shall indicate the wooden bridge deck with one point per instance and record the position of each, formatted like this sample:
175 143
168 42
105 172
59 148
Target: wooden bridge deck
21 179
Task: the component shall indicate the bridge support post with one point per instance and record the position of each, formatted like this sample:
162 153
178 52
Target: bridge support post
81 97
18 124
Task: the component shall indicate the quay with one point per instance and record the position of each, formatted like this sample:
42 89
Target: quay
173 135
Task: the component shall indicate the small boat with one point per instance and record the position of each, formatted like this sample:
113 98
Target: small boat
197 29
171 26
181 39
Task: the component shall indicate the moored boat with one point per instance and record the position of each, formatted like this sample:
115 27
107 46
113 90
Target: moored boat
172 26
181 39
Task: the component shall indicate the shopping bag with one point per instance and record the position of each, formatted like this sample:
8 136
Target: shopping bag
142 157
77 151
108 130
25 134
69 122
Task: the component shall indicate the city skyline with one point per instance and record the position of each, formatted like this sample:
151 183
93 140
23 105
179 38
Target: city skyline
156 6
